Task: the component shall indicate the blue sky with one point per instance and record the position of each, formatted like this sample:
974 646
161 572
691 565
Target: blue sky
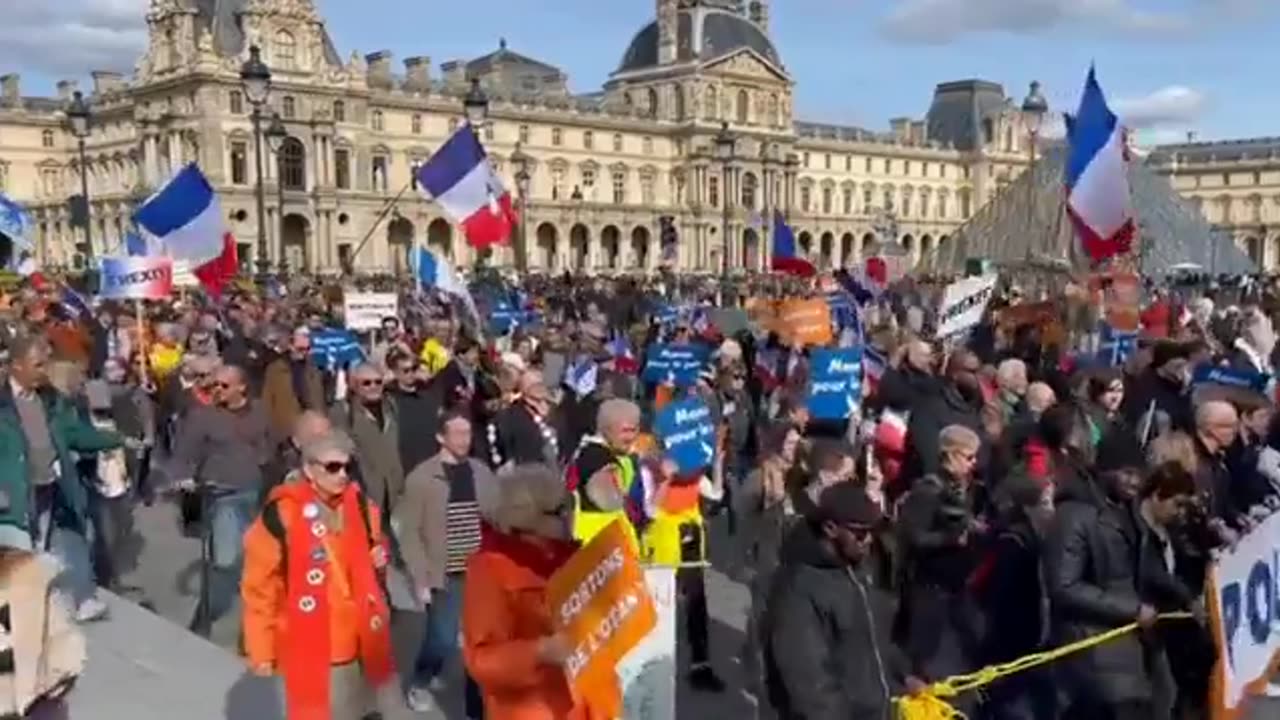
1169 66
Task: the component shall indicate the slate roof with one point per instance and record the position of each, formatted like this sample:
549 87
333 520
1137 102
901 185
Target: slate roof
1224 151
958 109
1171 230
222 19
722 33
827 131
506 58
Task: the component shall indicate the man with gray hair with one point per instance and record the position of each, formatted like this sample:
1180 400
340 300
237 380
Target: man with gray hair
372 420
1011 380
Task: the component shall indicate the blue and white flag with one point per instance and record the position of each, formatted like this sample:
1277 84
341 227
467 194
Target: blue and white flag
335 348
433 271
74 304
835 383
1117 346
582 378
186 217
15 223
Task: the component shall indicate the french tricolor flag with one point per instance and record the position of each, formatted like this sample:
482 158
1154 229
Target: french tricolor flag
784 258
460 179
1098 177
186 218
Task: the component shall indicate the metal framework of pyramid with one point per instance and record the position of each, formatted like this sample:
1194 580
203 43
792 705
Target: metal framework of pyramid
1027 222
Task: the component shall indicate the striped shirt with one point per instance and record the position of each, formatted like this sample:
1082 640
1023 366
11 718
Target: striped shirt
462 517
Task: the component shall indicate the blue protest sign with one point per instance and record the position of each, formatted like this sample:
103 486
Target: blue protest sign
1231 377
688 434
334 348
835 383
505 317
678 364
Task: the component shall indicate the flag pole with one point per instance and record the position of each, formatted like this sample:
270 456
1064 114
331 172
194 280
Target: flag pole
382 215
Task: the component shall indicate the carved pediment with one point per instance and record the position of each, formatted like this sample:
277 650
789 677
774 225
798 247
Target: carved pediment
748 63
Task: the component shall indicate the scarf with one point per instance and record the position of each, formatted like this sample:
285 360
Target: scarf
316 558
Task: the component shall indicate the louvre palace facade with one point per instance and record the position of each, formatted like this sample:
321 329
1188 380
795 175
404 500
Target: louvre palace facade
611 174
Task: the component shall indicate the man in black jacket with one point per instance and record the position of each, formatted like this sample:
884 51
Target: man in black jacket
828 654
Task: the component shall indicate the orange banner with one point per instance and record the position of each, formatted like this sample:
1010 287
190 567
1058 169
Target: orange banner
600 602
804 322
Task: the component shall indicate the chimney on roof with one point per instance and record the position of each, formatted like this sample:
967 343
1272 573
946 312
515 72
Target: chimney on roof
901 128
1191 136
66 88
11 88
454 73
417 73
379 73
105 81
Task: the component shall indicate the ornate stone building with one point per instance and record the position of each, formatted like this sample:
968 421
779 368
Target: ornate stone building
1236 186
605 168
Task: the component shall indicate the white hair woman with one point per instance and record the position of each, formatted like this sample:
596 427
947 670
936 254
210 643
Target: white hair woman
509 642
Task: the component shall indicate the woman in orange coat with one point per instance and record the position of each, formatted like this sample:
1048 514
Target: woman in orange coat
510 646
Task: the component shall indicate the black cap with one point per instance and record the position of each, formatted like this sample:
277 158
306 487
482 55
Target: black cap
1165 352
1119 450
846 503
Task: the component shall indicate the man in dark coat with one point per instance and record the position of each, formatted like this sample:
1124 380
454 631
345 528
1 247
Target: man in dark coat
828 654
958 401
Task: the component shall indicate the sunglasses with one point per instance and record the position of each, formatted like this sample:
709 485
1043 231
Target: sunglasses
335 467
370 383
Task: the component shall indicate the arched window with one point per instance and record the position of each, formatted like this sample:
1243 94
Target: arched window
293 164
774 118
712 109
749 191
743 106
339 111
288 107
652 102
678 110
988 131
286 49
377 120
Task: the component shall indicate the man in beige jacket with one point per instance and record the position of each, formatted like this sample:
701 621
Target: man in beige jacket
437 523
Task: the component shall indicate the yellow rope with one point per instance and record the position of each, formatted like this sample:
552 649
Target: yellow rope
930 705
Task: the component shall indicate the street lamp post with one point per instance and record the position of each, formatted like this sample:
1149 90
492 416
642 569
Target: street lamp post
726 143
276 134
79 116
1034 109
256 77
476 105
520 160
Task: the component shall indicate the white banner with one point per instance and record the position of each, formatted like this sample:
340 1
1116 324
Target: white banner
1245 605
963 303
365 311
648 672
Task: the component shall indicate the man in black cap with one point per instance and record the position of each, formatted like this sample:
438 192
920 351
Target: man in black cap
826 631
1158 401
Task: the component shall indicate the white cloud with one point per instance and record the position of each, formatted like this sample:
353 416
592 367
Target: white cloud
941 21
71 37
1173 105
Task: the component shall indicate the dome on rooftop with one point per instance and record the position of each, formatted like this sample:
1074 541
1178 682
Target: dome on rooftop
701 33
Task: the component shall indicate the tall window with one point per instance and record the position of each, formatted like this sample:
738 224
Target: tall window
557 137
293 164
651 102
588 178
379 172
588 140
806 198
236 102
713 191
646 190
942 206
285 49
868 166
239 163
712 109
288 107
888 166
617 142
826 201
415 124
867 201
888 200
557 183
619 188
342 168
848 201
775 118
826 161
744 106
46 138
677 92
378 121
924 206
646 146
339 111
488 132
906 204
524 134
749 189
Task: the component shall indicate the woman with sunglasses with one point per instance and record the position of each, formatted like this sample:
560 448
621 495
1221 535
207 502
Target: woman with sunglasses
314 610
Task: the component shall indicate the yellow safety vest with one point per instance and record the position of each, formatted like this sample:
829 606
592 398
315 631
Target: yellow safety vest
589 523
662 538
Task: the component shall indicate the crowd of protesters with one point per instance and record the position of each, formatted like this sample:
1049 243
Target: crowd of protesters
997 495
